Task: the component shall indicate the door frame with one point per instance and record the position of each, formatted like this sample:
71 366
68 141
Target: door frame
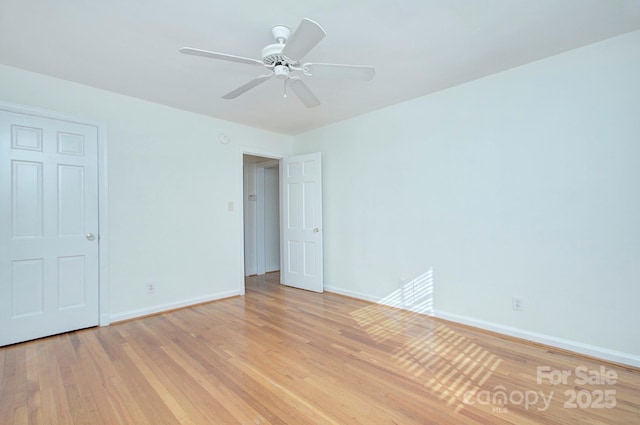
104 315
255 152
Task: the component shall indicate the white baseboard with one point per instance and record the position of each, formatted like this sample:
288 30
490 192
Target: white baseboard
390 302
351 294
565 344
574 346
132 314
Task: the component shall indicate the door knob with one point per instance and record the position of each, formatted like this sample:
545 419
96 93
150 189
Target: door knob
90 236
316 230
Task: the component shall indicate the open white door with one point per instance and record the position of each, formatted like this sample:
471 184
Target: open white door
48 227
301 212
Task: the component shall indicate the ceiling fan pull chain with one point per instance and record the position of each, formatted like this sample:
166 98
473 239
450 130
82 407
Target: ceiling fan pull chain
285 89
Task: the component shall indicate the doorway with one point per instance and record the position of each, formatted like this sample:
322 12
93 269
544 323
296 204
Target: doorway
261 214
300 233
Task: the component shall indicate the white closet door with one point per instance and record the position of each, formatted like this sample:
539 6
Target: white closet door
48 227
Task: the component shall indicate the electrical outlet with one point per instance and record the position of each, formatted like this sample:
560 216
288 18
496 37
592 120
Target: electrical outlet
151 288
518 303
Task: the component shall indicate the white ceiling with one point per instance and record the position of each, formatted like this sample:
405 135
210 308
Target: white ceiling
417 47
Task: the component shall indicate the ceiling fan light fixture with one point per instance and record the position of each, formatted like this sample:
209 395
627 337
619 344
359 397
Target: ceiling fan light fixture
281 72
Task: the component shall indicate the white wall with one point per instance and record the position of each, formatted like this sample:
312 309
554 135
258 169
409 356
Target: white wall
523 183
170 182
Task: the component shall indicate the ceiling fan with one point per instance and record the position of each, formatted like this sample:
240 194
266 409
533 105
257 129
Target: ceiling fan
283 60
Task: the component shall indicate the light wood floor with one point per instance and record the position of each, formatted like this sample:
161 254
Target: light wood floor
284 356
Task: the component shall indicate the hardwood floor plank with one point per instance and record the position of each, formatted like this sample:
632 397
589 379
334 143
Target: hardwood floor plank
235 410
242 385
121 399
279 355
20 408
143 404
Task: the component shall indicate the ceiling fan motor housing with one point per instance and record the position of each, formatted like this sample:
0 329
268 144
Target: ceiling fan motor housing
272 55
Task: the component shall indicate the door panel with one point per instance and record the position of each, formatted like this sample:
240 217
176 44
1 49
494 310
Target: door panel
27 287
26 204
302 222
70 200
48 206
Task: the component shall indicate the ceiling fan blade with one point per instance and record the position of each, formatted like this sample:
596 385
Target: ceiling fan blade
303 92
246 87
215 55
332 70
304 38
